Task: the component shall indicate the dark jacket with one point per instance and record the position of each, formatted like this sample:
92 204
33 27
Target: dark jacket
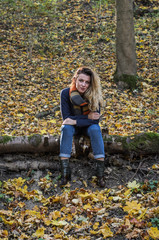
68 112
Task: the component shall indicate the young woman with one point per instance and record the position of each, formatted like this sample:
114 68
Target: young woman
80 109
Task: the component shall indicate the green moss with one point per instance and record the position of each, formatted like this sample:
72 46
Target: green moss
147 141
35 139
152 135
129 81
108 138
4 139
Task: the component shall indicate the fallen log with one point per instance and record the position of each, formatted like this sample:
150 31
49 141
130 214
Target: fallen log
26 165
29 144
141 144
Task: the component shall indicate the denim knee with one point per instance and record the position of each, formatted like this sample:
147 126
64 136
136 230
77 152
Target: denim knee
94 129
68 130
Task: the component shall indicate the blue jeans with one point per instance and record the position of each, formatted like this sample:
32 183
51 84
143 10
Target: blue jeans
93 131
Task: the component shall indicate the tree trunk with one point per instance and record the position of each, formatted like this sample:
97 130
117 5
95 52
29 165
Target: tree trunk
29 144
141 144
126 69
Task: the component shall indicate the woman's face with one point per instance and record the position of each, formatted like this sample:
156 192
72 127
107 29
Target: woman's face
82 83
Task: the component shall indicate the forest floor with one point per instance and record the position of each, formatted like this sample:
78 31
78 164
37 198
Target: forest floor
41 44
80 210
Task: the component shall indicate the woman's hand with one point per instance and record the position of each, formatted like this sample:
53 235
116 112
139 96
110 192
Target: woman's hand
93 115
69 121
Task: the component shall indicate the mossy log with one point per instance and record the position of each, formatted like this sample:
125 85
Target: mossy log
29 144
141 144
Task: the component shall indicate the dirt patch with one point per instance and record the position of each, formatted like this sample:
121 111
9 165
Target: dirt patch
118 171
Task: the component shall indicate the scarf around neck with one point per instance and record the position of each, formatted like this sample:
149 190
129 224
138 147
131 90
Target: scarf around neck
80 106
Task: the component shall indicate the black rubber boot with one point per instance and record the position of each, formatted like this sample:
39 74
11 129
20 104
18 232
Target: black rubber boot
100 173
65 172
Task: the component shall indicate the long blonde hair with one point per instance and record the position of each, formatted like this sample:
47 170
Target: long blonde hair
94 92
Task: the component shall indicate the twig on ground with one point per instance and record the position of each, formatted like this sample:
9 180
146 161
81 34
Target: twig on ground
46 113
136 171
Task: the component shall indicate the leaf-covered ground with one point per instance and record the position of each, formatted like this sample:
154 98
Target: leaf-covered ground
33 206
41 44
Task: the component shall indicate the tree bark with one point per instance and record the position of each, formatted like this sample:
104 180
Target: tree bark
125 43
26 165
141 144
29 144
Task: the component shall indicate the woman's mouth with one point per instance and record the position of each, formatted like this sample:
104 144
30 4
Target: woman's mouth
83 89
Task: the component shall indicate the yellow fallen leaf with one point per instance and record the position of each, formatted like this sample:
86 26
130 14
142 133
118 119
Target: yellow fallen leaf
21 204
95 226
47 221
69 217
153 232
59 223
19 181
53 121
127 222
128 192
142 214
58 236
11 103
20 115
5 212
56 214
85 184
84 195
105 230
39 232
33 213
57 113
42 58
4 233
43 131
87 206
133 185
132 207
11 222
155 166
94 232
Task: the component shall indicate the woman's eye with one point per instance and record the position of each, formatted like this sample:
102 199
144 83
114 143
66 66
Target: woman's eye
81 81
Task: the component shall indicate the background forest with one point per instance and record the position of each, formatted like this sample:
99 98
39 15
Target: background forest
43 42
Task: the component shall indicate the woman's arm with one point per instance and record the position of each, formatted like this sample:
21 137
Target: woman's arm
91 116
71 119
